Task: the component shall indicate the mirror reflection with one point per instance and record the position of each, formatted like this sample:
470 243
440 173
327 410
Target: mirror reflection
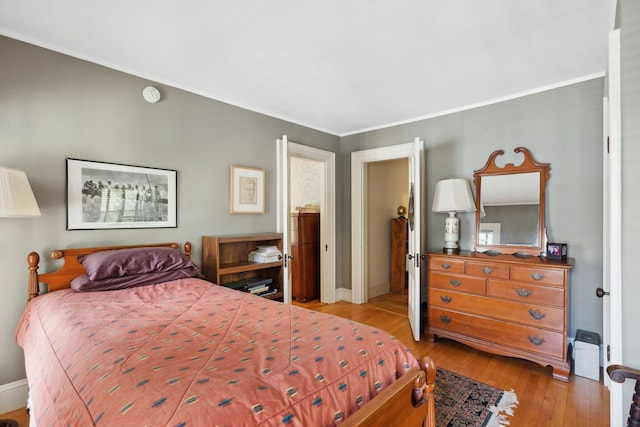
510 205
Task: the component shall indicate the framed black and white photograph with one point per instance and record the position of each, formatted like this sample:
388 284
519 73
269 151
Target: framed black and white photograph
109 195
247 190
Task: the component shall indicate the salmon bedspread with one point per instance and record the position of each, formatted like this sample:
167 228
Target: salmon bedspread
189 353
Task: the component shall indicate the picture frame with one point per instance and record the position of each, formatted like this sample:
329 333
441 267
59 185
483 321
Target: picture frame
102 195
557 251
247 190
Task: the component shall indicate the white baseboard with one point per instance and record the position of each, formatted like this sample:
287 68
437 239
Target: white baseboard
13 396
377 290
343 294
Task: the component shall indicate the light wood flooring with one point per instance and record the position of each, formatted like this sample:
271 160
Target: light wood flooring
543 400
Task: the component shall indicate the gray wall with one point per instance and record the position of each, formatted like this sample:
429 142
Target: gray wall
562 127
53 106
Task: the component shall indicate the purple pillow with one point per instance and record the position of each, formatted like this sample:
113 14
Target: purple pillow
129 262
85 284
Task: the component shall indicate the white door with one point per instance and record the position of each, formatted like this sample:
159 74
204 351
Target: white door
284 219
612 230
414 255
327 211
413 152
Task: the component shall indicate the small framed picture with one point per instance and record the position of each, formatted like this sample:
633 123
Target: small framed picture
108 195
247 190
557 251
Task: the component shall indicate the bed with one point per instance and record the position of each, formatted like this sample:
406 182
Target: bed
180 351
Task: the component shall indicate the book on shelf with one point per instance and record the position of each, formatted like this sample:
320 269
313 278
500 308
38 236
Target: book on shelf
248 284
259 290
269 292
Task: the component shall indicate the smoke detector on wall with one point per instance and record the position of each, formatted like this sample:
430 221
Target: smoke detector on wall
151 94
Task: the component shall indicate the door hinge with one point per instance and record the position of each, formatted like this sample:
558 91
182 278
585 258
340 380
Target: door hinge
608 353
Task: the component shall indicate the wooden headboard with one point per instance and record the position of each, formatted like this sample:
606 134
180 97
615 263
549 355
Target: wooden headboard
61 278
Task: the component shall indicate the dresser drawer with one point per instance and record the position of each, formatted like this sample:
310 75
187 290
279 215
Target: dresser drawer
446 264
529 314
489 270
547 276
526 292
522 337
458 283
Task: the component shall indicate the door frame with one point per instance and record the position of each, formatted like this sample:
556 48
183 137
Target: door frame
359 220
327 213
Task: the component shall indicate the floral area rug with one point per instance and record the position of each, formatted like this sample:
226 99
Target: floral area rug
463 402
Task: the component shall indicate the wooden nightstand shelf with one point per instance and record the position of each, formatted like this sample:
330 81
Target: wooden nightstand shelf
225 259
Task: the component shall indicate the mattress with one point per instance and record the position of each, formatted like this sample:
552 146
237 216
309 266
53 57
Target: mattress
189 353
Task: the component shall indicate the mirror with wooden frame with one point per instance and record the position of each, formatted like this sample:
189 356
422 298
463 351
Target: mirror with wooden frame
510 206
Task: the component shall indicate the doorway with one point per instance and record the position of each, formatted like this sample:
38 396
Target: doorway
288 150
386 191
413 153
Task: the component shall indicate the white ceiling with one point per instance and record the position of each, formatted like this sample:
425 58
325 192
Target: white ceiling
340 66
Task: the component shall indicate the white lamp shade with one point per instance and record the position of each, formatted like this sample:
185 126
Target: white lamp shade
453 195
16 197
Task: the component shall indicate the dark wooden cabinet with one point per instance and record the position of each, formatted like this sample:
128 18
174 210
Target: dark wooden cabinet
305 248
398 270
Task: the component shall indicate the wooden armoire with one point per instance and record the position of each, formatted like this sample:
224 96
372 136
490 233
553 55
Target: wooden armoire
305 248
398 268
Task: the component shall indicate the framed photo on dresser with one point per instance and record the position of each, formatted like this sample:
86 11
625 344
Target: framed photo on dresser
110 196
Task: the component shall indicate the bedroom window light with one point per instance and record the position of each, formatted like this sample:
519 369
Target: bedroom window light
16 197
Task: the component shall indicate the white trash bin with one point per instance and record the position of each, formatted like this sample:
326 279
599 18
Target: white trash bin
586 354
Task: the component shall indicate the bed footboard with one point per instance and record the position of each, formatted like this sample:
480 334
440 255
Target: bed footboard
407 402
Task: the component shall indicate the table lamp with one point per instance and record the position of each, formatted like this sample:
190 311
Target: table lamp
452 195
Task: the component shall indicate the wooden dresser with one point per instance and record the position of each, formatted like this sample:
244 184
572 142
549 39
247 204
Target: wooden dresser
502 304
305 248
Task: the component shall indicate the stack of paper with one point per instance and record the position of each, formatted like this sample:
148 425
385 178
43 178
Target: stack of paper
264 254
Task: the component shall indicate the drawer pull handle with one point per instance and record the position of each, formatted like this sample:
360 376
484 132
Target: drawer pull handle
446 299
537 276
536 340
487 270
455 283
523 292
445 319
536 314
445 265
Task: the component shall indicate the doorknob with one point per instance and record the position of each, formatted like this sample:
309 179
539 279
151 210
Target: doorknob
416 257
601 292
